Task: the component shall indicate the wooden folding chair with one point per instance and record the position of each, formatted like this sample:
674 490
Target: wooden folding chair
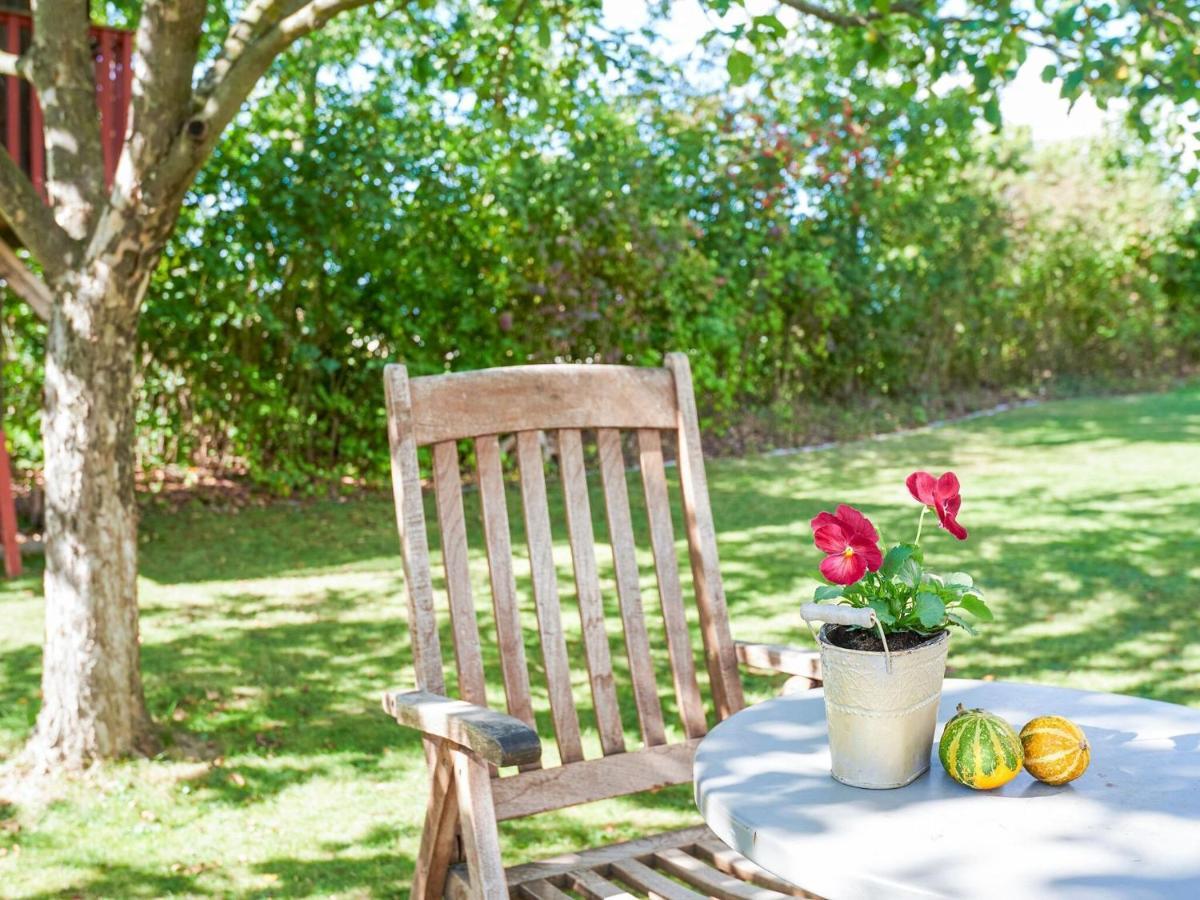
466 742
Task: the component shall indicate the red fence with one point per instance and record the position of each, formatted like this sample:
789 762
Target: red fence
21 126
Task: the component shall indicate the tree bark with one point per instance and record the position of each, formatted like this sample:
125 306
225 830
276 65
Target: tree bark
93 705
97 247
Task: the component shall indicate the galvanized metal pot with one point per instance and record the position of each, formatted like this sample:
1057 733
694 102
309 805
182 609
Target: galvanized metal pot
881 722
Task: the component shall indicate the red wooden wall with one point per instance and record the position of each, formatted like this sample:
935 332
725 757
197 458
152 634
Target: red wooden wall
21 128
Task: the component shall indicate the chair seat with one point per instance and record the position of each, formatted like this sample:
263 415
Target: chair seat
689 864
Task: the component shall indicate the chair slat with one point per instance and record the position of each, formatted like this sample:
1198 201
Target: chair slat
587 589
620 531
541 890
645 769
513 399
666 567
719 856
447 482
504 588
712 882
597 887
702 544
410 522
545 597
653 883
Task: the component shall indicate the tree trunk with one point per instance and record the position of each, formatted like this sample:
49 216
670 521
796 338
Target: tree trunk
92 701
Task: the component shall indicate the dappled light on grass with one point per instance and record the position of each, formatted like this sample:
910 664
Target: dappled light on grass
268 636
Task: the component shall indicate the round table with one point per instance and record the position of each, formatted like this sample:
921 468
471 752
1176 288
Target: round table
1128 828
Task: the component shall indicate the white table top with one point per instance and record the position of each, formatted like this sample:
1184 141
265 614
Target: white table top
1128 828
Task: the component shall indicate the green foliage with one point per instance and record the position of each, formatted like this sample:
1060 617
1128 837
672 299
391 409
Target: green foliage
1143 53
466 193
907 597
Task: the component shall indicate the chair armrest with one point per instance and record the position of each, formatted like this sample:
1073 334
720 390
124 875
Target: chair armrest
494 736
778 658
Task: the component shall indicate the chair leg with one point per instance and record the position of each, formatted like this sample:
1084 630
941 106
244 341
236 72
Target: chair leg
481 837
438 840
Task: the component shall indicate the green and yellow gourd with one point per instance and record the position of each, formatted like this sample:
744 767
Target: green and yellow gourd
980 749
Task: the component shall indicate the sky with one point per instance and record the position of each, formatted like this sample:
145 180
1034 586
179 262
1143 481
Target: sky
1026 101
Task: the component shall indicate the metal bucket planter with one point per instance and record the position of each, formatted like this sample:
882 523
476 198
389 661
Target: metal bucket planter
881 708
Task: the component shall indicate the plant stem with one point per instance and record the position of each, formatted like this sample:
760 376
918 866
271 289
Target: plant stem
920 523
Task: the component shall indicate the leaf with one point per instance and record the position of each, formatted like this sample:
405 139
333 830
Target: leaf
960 578
960 622
909 573
772 24
895 556
828 592
1072 83
991 111
882 612
740 66
930 609
976 607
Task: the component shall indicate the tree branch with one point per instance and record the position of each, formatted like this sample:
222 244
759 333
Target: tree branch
252 45
167 41
62 70
865 20
230 88
31 220
842 20
256 18
24 283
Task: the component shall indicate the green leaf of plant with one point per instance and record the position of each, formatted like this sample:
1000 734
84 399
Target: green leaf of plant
882 611
740 66
931 611
991 111
960 578
772 24
976 607
895 556
909 573
828 592
960 622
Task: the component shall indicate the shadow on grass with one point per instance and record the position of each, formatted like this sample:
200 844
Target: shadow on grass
116 880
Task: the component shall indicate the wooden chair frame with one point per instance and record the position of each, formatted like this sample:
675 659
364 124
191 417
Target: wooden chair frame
467 743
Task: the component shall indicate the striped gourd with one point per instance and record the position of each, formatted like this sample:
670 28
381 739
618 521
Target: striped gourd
980 749
1056 749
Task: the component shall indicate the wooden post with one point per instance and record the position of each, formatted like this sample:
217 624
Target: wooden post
8 514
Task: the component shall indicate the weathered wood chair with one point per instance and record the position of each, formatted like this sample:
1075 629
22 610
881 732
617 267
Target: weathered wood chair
466 743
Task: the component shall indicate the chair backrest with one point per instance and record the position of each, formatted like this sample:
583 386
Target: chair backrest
567 400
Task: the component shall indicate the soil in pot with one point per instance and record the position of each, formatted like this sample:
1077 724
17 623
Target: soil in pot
850 638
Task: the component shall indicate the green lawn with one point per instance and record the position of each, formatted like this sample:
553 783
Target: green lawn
268 635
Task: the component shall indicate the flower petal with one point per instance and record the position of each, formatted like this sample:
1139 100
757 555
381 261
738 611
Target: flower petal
921 485
824 518
871 555
947 487
949 522
855 523
842 569
955 529
830 539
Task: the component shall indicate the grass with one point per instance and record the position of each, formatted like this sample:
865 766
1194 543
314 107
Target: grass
268 635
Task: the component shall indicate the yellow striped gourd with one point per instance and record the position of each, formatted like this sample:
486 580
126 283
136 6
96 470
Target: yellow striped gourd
1056 749
979 749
